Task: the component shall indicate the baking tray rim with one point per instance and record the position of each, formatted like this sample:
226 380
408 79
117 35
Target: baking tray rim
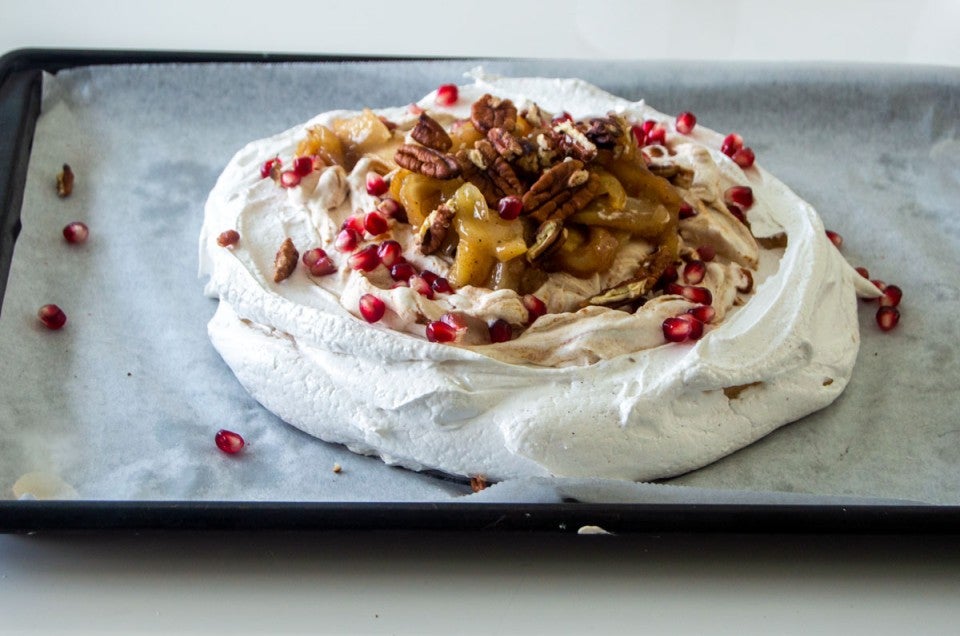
20 73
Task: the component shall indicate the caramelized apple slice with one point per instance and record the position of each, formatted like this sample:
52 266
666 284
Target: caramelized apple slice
587 251
361 134
419 194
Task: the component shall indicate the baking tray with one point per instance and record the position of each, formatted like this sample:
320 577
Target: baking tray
20 97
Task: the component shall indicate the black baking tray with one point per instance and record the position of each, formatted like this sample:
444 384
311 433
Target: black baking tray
20 92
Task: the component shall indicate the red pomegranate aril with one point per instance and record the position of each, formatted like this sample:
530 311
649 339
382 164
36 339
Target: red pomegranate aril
366 259
888 318
685 122
737 212
439 331
318 263
442 286
347 240
892 295
420 285
835 238
687 211
392 210
402 271
447 95
500 331
303 165
637 131
669 275
656 136
509 207
694 271
700 295
562 117
703 313
676 329
879 284
371 308
78 232
310 257
739 195
707 253
289 179
52 317
647 126
376 185
696 326
731 144
455 319
227 238
375 223
390 253
863 272
229 442
744 158
267 168
535 307
354 223
429 276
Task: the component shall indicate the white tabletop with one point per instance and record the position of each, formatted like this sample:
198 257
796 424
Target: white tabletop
457 584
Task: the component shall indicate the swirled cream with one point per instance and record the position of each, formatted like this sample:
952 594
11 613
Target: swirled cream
583 390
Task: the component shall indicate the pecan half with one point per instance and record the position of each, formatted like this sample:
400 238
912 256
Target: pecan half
285 261
551 183
492 112
65 181
604 132
745 285
570 201
505 143
499 171
624 292
434 229
477 176
550 236
574 143
427 161
431 134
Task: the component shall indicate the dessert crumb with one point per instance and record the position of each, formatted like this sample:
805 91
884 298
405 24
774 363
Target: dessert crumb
337 468
65 181
478 483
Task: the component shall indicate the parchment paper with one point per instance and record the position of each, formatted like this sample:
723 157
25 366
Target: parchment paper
123 403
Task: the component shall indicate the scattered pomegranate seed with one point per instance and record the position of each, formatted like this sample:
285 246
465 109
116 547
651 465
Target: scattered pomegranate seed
676 329
392 210
402 271
892 295
835 238
731 143
668 276
737 212
439 331
78 232
376 185
447 95
696 326
366 259
700 295
428 276
346 240
694 271
267 168
707 253
879 284
535 307
744 157
442 286
318 263
372 308
562 117
303 165
52 317
229 442
647 126
863 272
289 179
685 122
420 285
509 207
739 195
888 318
390 253
455 319
375 223
703 313
355 223
687 211
228 238
656 136
500 331
638 134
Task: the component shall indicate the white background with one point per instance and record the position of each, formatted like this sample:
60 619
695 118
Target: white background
455 584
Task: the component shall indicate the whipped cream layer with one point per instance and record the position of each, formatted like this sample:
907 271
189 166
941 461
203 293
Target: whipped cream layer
593 392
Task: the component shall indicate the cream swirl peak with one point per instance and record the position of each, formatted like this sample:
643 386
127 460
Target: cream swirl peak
534 278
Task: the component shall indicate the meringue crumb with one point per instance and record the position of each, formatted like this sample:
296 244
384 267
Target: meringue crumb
337 468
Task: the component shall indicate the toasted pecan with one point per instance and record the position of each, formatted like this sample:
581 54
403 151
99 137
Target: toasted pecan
431 134
492 112
285 261
427 161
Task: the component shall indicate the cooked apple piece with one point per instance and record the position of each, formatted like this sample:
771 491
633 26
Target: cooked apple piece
637 217
587 251
361 134
324 143
463 134
485 238
419 194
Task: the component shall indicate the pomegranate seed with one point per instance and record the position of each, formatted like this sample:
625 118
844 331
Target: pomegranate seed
428 276
390 253
414 109
375 223
535 307
228 238
376 184
318 263
656 136
685 122
562 117
699 295
500 331
439 331
694 271
707 253
420 285
365 260
442 286
372 308
879 284
229 442
638 133
676 329
392 210
267 168
354 223
731 143
703 313
346 240
303 165
888 318
402 271
289 179
77 232
891 296
686 211
739 195
455 319
863 272
647 126
668 276
52 317
696 327
447 95
744 158
737 212
509 207
835 238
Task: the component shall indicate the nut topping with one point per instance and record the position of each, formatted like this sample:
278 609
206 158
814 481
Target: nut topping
505 143
431 134
492 112
551 183
427 161
604 132
285 261
622 293
550 236
434 229
65 182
